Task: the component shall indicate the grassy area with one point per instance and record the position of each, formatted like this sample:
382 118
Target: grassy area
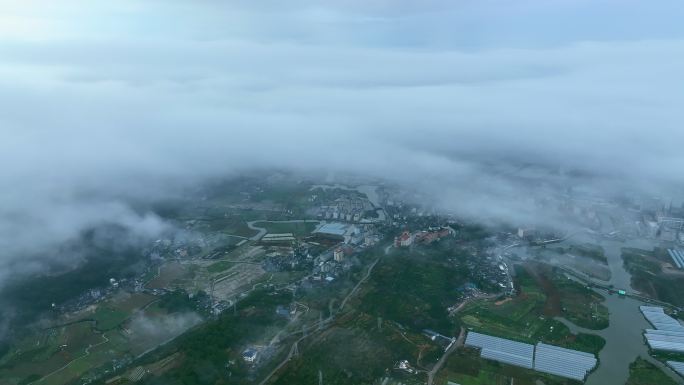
648 277
206 350
107 318
46 352
581 305
169 274
65 353
642 372
296 228
361 347
640 260
355 351
589 250
415 288
233 225
220 266
407 292
523 318
104 256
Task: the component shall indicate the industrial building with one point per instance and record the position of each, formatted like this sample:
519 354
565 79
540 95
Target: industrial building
656 316
502 350
284 238
563 362
677 367
543 358
668 334
337 229
677 257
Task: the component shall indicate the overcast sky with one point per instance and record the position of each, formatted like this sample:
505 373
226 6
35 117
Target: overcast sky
99 99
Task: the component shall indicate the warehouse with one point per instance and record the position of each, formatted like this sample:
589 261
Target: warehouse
563 362
661 321
668 334
677 367
502 350
677 257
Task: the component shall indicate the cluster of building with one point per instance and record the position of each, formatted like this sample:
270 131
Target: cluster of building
426 237
326 251
347 208
355 235
491 272
664 223
543 358
328 265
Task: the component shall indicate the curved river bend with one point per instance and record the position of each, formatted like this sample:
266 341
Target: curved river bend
624 336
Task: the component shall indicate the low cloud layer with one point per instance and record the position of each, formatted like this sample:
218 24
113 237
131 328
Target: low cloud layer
104 103
162 328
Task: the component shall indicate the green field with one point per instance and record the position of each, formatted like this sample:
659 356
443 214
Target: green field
648 277
208 348
415 289
360 347
580 304
49 351
589 250
233 225
523 318
356 352
642 372
64 353
220 266
297 228
107 318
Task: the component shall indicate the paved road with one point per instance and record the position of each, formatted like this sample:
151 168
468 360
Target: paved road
445 356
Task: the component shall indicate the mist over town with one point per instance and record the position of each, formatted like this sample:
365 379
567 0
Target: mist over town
450 192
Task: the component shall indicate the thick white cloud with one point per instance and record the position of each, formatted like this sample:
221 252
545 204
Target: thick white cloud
114 99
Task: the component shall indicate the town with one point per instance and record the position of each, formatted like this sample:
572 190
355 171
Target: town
333 259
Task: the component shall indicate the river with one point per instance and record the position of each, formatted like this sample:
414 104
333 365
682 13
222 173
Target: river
624 335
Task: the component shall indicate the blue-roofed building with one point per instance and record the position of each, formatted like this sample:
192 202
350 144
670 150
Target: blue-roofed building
250 355
337 229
